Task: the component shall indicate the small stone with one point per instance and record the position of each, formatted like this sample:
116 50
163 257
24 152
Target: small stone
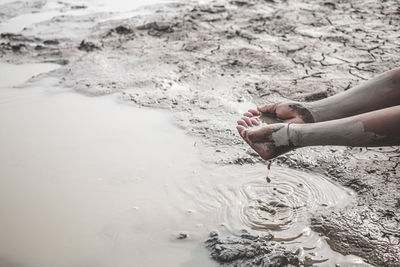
123 30
78 7
88 46
182 236
51 42
249 236
213 234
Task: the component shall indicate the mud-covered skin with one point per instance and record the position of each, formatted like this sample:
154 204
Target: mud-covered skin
203 61
304 112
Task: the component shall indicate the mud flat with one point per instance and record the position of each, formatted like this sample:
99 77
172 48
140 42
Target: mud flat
207 62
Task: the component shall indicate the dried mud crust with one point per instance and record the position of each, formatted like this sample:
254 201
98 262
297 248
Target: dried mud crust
204 61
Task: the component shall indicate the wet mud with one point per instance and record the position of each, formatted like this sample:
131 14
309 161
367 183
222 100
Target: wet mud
249 250
208 63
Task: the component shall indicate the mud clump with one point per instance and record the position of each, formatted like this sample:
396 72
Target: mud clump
78 7
15 42
15 37
157 28
18 47
88 46
181 236
121 29
249 250
241 3
51 42
213 9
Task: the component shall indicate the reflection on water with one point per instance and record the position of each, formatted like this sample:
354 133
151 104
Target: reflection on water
90 182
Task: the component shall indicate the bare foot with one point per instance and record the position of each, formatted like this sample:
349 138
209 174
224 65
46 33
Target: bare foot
287 112
269 141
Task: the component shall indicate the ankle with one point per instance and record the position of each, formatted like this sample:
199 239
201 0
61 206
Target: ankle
294 134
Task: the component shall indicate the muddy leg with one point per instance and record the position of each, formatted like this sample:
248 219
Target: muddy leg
376 128
378 93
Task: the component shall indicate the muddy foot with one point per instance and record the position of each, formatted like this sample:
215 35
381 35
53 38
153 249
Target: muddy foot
269 141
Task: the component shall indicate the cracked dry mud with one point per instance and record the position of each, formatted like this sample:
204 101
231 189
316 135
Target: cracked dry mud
204 62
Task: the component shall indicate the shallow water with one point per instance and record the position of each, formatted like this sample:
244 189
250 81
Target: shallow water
83 181
54 8
14 75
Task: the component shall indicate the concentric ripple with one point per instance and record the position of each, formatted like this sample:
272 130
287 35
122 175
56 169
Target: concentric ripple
236 198
287 202
240 197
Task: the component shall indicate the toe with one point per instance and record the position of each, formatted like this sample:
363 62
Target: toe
241 130
255 112
248 114
242 123
255 121
268 109
248 121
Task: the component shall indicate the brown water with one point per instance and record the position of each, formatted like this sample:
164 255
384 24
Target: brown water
94 182
83 181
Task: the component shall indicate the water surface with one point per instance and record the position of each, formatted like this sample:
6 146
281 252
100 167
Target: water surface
54 8
83 181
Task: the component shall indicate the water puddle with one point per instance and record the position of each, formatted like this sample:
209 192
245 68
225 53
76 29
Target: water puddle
118 5
83 182
13 75
93 182
55 8
20 22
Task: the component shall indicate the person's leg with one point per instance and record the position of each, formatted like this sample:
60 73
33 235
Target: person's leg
376 128
378 93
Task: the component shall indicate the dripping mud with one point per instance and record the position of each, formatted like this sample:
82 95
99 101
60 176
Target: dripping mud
203 64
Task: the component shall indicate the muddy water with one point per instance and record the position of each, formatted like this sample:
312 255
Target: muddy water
242 199
53 8
83 181
14 75
93 182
